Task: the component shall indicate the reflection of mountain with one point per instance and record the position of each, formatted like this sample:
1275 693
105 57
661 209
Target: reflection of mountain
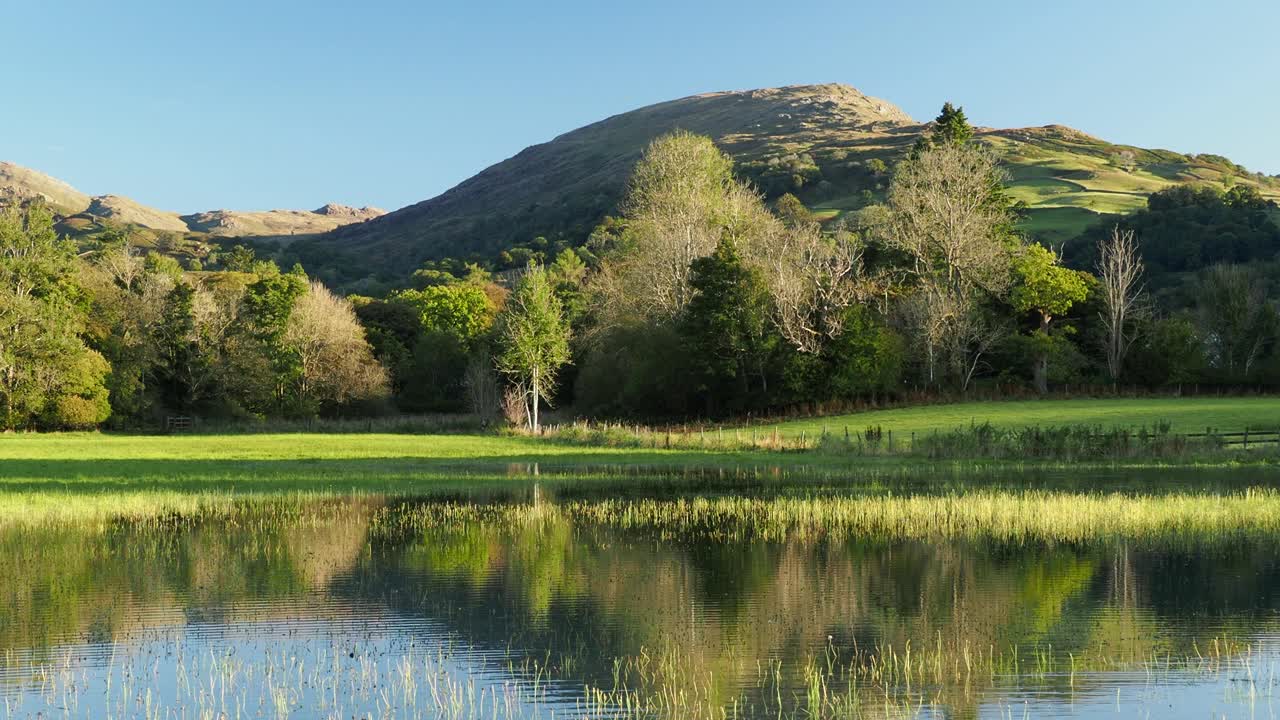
583 596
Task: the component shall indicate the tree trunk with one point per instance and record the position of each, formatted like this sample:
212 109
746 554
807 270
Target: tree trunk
537 429
1042 360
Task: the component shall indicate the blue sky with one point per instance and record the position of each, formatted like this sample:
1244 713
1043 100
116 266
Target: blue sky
282 103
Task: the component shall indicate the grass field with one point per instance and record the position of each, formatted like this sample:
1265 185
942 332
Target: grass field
110 474
1184 414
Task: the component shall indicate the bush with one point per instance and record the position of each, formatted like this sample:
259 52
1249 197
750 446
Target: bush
79 413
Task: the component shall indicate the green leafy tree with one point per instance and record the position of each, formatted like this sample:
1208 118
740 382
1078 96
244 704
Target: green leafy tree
268 304
1187 228
866 358
726 329
951 126
533 340
240 259
1237 320
1247 198
393 329
184 369
82 401
569 277
461 310
1169 353
127 296
48 377
792 212
1048 290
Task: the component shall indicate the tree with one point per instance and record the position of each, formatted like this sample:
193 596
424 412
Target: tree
1119 273
1049 290
182 365
949 217
127 297
725 328
240 259
569 277
268 304
970 339
1237 322
533 340
792 212
336 367
1246 197
460 309
676 207
48 377
1187 228
812 278
951 126
866 357
1168 352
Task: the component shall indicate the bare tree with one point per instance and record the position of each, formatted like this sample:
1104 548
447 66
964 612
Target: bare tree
483 393
970 339
679 201
945 215
931 312
337 365
1120 275
812 279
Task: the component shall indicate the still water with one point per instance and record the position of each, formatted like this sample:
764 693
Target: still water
333 609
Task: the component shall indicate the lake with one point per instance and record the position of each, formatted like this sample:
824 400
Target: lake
549 604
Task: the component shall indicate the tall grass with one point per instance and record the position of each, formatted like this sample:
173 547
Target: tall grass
1006 516
975 441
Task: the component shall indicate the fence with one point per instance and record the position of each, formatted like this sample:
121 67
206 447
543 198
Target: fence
1242 439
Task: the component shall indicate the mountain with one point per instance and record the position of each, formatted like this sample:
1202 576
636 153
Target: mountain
821 142
276 224
82 214
20 184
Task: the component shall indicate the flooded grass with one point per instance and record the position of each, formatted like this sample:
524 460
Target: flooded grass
374 607
406 576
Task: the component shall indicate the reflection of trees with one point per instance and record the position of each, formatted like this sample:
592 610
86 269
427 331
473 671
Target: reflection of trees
596 593
581 596
72 583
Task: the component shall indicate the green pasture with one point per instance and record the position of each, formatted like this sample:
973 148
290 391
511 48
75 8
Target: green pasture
1185 415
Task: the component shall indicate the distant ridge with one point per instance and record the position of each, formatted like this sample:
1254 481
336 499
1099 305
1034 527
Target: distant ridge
20 184
820 142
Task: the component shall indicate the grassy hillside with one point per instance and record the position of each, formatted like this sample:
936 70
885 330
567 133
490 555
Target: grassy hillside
829 144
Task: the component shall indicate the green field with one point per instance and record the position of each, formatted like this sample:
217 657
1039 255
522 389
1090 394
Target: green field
1184 414
108 475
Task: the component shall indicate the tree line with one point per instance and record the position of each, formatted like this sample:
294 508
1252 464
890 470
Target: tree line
698 299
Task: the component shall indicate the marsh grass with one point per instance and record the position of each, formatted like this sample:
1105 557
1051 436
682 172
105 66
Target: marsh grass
845 679
327 680
1005 516
983 441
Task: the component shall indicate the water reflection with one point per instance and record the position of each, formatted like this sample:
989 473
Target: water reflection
333 608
